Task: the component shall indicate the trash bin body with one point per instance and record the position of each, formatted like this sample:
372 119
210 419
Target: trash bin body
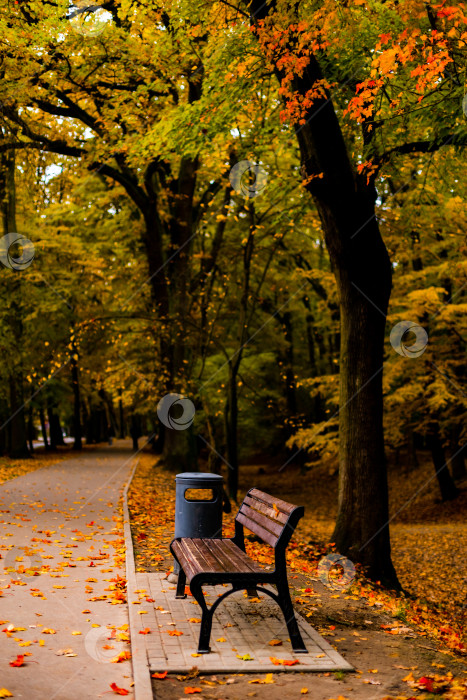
198 515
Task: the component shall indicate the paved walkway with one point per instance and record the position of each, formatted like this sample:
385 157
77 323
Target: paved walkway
241 627
60 547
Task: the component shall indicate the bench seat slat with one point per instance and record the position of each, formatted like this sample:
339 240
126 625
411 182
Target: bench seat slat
265 535
212 556
261 520
214 564
181 552
233 557
272 501
267 510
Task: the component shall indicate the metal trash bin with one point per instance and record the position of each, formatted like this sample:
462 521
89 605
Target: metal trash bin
198 517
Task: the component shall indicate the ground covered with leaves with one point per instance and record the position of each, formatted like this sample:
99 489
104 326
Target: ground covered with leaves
11 468
403 646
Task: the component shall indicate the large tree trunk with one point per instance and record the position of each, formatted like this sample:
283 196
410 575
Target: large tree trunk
346 206
16 423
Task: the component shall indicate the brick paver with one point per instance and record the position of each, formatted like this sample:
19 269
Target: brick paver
246 626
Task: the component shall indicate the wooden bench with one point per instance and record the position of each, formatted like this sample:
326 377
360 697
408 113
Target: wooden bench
216 561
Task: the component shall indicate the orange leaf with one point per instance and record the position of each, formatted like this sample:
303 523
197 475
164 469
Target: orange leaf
123 656
19 661
283 662
145 631
175 633
119 691
191 691
159 676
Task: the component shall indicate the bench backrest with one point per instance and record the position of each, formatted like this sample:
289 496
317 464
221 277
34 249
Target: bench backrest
268 517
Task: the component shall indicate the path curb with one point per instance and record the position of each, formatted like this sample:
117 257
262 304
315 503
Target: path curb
141 673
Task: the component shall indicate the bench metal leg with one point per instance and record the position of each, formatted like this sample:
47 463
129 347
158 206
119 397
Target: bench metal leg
206 619
285 602
180 592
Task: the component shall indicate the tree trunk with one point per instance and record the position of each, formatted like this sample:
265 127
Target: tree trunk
412 459
55 430
231 427
121 419
18 445
360 262
43 428
458 453
77 428
31 434
446 485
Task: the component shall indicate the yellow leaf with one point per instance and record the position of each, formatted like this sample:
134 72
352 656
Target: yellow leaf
267 679
304 691
4 693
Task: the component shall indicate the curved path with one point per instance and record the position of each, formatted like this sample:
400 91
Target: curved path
60 546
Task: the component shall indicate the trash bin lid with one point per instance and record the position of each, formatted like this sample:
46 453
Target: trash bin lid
192 476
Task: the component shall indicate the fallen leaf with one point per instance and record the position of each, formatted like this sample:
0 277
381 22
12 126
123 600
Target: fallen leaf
191 691
145 631
4 693
119 691
245 657
283 662
123 656
48 630
267 679
275 643
19 661
159 676
65 652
